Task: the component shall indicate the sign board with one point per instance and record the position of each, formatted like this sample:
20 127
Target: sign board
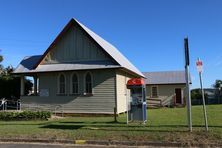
199 65
187 56
135 81
44 93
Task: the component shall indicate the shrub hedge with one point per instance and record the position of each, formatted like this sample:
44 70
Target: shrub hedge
25 115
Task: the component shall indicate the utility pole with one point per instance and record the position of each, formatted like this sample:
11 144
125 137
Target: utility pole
188 100
199 64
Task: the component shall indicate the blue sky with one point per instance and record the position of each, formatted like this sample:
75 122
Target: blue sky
149 33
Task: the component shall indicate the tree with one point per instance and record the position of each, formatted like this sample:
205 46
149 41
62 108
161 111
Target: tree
196 94
10 84
1 58
1 66
217 84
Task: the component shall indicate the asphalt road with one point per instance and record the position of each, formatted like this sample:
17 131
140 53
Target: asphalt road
46 145
40 145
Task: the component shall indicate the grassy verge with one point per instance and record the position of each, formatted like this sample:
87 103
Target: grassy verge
167 124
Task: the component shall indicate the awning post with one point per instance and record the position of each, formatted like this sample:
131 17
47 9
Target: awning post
22 85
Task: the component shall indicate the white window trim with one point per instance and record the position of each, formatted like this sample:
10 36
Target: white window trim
157 89
71 88
58 84
85 83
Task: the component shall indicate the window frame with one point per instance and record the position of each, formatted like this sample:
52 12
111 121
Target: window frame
58 84
85 93
71 83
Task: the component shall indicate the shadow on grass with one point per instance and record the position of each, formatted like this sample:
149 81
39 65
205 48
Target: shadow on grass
123 124
102 122
120 126
63 127
106 128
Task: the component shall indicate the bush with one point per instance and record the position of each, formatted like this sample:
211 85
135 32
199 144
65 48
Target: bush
25 115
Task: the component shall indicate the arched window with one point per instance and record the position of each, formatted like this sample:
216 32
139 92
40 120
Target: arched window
75 84
62 84
88 83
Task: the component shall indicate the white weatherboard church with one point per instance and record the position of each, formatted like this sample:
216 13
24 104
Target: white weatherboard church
80 72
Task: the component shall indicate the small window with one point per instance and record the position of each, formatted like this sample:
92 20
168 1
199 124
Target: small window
154 91
62 84
88 83
75 84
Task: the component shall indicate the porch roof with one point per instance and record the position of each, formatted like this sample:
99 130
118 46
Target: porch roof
28 63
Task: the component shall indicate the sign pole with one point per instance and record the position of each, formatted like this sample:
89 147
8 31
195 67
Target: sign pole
127 102
199 69
189 112
188 100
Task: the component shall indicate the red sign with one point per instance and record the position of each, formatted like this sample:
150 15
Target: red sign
199 64
136 81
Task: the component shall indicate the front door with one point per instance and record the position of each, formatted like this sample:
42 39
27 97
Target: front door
178 95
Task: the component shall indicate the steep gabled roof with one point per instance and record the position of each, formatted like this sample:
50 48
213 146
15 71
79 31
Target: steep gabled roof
106 46
112 51
165 77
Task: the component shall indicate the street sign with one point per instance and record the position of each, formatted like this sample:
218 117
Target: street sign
187 55
199 65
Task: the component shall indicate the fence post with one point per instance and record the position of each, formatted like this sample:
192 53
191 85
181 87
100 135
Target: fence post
19 105
115 114
55 111
5 105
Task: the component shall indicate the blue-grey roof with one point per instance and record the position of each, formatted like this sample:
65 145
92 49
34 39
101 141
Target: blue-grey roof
165 77
27 63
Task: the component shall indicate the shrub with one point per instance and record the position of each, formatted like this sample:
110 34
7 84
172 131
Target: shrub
25 115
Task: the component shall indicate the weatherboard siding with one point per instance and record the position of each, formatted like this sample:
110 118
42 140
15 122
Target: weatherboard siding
75 46
121 89
102 101
165 90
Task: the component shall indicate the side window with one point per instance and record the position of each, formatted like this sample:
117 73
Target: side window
154 91
61 84
88 83
75 84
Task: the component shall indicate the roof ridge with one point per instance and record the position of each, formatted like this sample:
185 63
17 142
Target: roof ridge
97 38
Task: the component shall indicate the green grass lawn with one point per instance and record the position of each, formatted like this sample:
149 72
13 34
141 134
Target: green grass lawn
166 124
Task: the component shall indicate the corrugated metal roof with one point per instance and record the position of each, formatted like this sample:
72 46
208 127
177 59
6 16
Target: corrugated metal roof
27 64
110 49
165 77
